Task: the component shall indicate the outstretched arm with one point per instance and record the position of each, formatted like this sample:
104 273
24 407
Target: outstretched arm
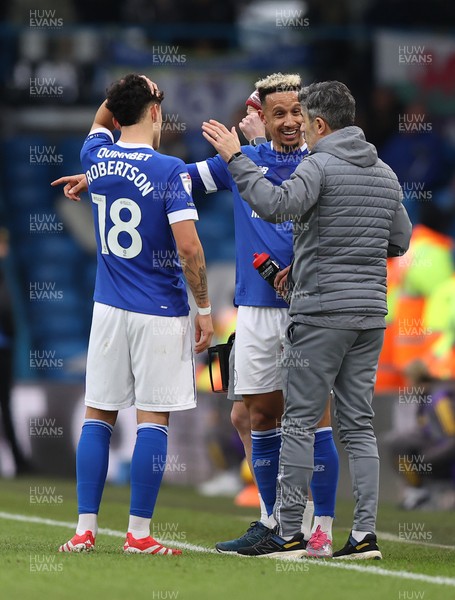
293 198
75 184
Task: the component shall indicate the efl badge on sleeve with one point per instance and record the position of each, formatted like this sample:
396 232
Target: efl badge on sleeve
186 181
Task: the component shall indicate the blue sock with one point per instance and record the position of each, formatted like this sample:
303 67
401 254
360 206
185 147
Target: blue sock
266 457
147 468
92 459
325 476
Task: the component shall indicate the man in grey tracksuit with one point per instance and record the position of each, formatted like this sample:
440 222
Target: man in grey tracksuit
346 207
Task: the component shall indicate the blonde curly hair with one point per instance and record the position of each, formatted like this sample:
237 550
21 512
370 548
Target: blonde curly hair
278 82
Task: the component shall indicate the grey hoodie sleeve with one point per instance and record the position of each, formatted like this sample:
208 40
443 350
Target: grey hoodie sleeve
400 233
292 198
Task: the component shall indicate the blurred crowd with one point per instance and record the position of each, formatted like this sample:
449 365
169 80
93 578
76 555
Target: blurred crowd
417 366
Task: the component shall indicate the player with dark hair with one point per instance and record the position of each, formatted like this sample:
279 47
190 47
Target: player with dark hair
140 349
129 98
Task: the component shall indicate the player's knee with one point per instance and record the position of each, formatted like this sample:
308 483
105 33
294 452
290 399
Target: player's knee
240 418
108 416
263 420
265 411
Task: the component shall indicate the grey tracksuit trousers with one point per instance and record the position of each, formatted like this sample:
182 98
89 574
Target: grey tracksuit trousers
316 360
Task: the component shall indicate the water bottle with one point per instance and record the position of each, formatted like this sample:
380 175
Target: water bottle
266 267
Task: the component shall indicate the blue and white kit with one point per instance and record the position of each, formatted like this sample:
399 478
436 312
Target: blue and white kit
141 303
262 315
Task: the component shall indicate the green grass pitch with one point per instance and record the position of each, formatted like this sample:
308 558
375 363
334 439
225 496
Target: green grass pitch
31 567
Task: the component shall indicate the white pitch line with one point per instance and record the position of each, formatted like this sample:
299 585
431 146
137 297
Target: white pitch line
103 530
318 563
390 537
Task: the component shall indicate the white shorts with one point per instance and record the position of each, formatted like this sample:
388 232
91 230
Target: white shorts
259 338
139 359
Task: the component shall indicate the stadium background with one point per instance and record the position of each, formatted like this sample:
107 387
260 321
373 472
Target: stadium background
398 58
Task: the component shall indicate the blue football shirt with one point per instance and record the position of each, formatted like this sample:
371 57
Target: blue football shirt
137 194
252 234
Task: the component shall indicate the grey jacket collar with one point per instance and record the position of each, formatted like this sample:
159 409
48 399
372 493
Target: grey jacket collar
348 144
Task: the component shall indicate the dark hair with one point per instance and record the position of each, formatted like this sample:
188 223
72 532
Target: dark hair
330 100
128 98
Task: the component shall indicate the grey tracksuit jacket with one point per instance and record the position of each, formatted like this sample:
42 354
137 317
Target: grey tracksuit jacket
346 207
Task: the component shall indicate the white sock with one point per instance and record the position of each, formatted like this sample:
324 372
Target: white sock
264 516
270 522
139 527
306 520
87 522
325 524
359 535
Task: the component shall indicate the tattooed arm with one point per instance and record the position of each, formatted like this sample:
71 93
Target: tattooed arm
193 265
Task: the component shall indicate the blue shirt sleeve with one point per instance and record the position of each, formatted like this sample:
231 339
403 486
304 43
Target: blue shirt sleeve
96 138
210 175
179 203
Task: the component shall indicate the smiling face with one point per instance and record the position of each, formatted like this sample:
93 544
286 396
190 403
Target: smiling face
282 115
